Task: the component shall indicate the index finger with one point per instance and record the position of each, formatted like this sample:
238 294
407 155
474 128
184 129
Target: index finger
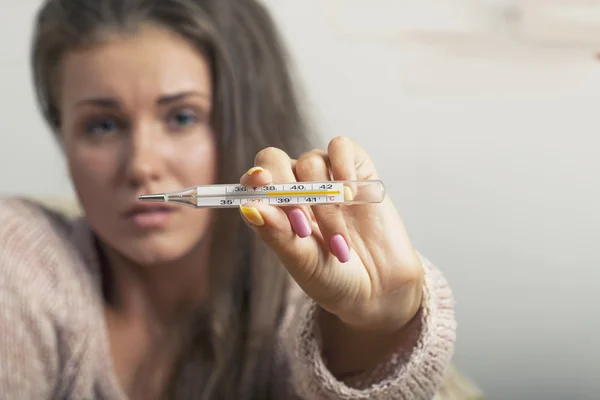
274 166
256 176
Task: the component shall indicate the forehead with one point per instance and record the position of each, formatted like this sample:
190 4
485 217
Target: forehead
150 62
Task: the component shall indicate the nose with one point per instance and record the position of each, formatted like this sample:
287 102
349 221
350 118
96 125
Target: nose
143 161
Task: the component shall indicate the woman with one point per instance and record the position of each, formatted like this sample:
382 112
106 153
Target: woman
142 302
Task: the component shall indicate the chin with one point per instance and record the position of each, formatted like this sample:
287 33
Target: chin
154 251
164 244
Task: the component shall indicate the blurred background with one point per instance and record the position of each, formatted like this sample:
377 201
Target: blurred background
482 117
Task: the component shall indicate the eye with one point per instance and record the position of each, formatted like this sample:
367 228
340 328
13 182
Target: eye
183 118
101 126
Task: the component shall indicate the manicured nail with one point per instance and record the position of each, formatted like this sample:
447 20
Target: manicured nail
252 215
300 223
340 248
254 170
348 194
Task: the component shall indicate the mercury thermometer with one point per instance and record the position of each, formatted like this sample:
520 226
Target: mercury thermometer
280 194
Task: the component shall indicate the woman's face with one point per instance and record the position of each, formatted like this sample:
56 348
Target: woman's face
135 120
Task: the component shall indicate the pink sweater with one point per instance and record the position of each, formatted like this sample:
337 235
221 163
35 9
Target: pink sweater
53 341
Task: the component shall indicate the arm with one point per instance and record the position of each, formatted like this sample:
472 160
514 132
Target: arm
29 361
412 365
351 352
359 264
28 354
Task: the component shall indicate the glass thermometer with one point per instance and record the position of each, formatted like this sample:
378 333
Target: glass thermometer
277 194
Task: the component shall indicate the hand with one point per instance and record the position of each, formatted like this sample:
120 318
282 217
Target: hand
357 262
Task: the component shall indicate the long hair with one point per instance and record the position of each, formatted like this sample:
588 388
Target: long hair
229 350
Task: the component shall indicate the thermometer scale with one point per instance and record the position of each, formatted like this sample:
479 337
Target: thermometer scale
280 194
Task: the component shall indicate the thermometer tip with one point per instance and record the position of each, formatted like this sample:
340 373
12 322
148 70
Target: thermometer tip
152 198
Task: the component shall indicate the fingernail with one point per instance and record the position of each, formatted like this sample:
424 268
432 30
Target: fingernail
300 223
254 170
348 194
340 248
252 215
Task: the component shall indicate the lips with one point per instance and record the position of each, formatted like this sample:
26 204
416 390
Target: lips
148 208
149 215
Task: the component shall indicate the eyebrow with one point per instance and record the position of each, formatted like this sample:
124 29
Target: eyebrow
106 102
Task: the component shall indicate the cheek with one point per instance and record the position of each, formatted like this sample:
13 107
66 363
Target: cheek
197 161
91 171
195 165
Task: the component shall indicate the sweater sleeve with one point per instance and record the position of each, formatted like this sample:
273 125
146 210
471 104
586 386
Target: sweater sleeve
414 373
29 354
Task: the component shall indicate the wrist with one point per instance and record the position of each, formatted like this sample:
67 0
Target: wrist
392 315
349 349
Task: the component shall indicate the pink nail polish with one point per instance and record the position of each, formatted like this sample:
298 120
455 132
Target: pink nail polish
300 223
340 248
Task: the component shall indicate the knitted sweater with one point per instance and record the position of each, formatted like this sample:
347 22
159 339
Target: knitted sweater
54 342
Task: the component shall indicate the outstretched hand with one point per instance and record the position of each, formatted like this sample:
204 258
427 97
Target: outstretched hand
357 261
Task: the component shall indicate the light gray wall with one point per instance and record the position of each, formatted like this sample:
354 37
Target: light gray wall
492 160
23 168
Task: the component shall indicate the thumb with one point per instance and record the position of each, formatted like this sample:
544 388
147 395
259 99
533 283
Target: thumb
288 234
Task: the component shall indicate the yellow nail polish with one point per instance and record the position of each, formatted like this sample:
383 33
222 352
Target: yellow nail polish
348 196
254 170
252 215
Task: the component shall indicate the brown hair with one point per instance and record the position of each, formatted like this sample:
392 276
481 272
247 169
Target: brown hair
255 106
